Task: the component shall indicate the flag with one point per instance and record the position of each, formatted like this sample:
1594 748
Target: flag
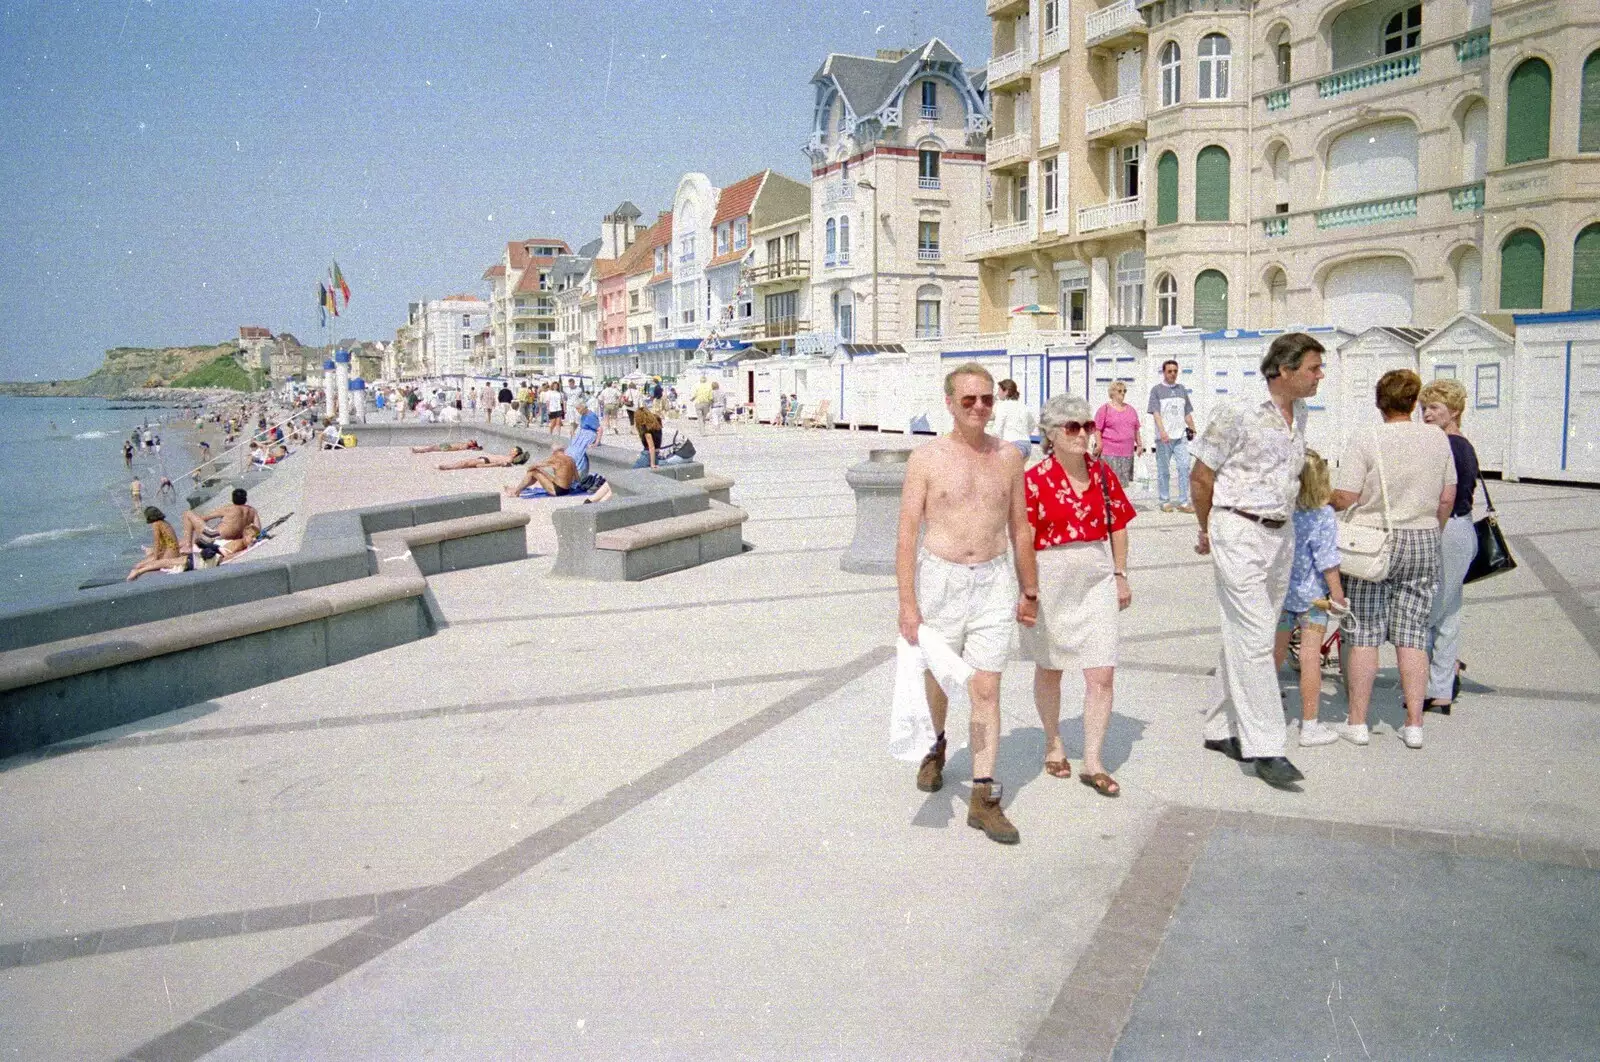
333 302
338 282
322 304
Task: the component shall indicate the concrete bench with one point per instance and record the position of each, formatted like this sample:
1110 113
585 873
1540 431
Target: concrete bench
656 532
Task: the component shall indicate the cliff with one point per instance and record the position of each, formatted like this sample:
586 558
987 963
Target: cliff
127 369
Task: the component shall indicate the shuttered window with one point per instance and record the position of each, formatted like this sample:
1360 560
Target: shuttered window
1528 112
1167 189
1522 271
1211 184
1211 301
1586 270
1589 114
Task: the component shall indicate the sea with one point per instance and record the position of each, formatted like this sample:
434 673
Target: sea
66 512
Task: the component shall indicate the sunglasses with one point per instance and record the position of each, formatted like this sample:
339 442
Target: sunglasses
1073 427
968 401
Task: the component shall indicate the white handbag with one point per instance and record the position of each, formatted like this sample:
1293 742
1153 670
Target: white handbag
1367 552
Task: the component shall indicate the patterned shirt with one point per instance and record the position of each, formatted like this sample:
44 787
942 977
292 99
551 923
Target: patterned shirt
1061 516
1256 457
1316 549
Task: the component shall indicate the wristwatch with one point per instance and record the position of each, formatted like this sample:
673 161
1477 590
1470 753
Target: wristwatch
1120 575
1030 597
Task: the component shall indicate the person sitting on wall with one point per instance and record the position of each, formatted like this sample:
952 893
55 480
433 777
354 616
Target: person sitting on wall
517 456
556 474
239 525
163 550
648 426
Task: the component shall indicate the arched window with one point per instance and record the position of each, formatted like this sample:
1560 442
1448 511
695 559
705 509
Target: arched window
1282 55
1277 299
1589 108
1403 31
1377 161
1528 112
1211 301
1171 74
1474 142
844 240
1469 280
1166 300
1130 287
1368 293
929 302
1211 184
1166 188
1522 271
1278 165
832 242
1586 269
1215 54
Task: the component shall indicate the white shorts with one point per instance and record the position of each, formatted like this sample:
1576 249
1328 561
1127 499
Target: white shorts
973 607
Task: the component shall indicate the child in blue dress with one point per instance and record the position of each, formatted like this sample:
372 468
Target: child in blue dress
1315 575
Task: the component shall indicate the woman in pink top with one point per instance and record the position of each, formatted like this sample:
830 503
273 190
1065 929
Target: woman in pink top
1118 424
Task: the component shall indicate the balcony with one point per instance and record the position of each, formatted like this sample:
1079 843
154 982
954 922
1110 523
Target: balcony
1004 68
1009 149
1052 42
780 328
1369 213
929 114
1001 238
1000 7
1274 227
1109 215
1475 45
1112 23
1467 197
838 192
778 272
836 261
1113 113
1278 99
928 184
1391 68
929 332
522 336
928 254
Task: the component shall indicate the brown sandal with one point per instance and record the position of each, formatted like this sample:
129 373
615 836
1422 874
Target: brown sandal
1101 783
1058 768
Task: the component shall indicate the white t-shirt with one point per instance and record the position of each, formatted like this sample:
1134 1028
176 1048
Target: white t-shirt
1013 421
554 402
1417 466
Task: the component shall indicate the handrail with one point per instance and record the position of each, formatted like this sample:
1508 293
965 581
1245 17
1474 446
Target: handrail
221 458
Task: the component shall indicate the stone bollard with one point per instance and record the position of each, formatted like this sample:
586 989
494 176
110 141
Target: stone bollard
877 482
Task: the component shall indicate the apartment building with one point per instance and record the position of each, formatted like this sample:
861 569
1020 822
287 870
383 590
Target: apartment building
897 187
522 317
444 331
1292 161
778 275
574 349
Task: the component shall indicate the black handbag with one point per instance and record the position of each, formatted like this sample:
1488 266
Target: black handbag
1493 556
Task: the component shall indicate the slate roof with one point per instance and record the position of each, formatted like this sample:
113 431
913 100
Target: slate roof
627 210
590 249
867 84
1133 335
1409 336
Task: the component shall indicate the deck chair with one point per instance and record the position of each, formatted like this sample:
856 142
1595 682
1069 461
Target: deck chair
818 418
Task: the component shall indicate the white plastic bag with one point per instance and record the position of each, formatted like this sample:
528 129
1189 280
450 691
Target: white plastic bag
910 726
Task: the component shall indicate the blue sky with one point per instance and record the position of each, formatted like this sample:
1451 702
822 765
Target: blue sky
175 169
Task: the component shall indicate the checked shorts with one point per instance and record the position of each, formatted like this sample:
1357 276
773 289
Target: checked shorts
1399 609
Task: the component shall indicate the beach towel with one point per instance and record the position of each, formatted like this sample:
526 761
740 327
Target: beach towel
585 486
910 726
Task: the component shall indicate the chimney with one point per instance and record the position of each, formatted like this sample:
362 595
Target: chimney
893 55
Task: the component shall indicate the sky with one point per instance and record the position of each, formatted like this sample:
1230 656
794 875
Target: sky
172 170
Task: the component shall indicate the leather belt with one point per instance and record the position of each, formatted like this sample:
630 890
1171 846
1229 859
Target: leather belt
1267 522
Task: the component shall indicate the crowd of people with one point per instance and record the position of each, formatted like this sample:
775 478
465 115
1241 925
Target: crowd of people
988 544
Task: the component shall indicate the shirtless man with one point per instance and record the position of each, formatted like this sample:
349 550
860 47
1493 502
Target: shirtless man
240 524
556 474
966 488
516 457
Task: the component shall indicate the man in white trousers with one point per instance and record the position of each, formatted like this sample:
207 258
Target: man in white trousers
1245 478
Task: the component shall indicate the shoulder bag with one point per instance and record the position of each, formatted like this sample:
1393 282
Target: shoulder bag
1493 556
1367 552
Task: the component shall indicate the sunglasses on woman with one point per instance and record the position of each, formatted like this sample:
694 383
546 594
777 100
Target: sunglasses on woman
968 401
1073 427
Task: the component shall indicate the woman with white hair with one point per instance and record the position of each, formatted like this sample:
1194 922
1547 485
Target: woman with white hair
1443 404
1080 516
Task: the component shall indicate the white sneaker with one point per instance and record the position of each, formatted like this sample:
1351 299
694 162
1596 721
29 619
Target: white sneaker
1315 732
1356 735
1412 736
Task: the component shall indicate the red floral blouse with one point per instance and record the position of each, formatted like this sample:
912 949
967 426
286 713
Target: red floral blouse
1061 516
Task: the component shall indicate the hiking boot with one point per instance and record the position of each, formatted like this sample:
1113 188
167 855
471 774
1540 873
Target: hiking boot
984 813
930 776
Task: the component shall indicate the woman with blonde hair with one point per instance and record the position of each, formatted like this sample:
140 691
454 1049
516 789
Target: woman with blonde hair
1080 517
1443 403
1313 583
1118 426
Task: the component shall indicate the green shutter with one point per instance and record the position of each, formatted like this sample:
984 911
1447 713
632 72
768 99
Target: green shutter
1211 184
1528 112
1211 301
1586 270
1167 189
1589 113
1522 271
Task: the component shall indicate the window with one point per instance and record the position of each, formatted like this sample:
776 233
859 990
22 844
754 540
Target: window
1277 299
1052 15
844 240
1167 189
1166 300
1589 108
661 259
928 303
1528 112
1019 198
930 99
466 342
1211 184
1049 187
774 251
1215 56
1130 287
1126 180
780 313
1474 142
791 247
722 238
1403 31
1488 382
1586 269
1278 166
831 243
466 320
1377 161
1171 71
686 247
633 300
1075 298
1469 280
927 168
1282 54
1211 301
741 234
928 240
1369 293
844 312
1522 271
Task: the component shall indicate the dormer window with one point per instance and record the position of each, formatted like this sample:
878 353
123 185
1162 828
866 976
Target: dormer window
722 238
661 259
741 234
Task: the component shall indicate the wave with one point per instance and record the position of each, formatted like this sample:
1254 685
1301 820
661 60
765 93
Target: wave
36 537
91 435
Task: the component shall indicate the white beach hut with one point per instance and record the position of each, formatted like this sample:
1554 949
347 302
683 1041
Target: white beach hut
1362 361
1120 353
1475 352
1555 397
1184 346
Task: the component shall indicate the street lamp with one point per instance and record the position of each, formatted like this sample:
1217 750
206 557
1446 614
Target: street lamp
869 186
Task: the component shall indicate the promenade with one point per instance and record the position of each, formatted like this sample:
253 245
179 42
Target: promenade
659 820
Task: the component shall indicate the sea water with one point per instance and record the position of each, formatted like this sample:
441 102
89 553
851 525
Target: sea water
66 512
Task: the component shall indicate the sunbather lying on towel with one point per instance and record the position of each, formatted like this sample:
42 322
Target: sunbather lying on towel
517 456
446 447
555 474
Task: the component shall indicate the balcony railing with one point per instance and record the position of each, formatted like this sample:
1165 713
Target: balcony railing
1369 74
929 332
1010 148
836 261
1108 215
1002 67
1112 21
996 239
787 269
1474 45
930 184
1274 226
930 113
1052 41
928 254
1469 197
1369 213
781 327
838 192
1277 100
1114 112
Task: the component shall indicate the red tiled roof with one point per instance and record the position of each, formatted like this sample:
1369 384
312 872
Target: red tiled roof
606 268
520 252
724 259
254 332
496 270
659 234
737 199
529 282
463 298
